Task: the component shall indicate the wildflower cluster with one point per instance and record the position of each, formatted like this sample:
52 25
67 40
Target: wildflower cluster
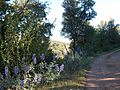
47 72
59 69
42 71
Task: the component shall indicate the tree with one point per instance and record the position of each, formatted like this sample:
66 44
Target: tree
113 35
89 39
107 36
77 13
24 30
3 8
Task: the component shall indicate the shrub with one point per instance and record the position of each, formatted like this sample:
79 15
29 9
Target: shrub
75 64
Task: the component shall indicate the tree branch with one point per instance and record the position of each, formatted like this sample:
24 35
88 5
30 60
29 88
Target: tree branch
21 10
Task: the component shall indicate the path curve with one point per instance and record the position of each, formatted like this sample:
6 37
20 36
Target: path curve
104 73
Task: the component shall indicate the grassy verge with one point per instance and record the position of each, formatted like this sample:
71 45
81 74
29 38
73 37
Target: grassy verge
66 82
112 51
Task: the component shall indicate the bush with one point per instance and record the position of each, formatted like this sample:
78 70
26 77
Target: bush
75 64
71 64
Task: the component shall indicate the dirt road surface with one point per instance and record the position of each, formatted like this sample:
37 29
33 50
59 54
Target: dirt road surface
104 73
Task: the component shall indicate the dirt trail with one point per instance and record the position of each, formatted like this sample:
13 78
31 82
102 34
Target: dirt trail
104 73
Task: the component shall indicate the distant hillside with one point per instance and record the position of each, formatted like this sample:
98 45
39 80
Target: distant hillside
59 48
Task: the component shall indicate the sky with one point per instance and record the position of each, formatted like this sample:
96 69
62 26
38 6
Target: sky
106 9
56 13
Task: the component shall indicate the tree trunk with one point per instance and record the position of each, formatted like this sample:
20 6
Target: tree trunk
74 47
66 49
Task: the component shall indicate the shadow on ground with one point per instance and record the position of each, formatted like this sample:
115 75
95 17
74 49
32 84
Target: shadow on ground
68 88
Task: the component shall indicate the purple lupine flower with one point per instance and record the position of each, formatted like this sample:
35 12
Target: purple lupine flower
56 67
22 83
54 57
6 71
34 59
26 68
62 67
16 70
42 56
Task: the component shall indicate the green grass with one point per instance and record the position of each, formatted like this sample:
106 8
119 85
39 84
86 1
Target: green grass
66 82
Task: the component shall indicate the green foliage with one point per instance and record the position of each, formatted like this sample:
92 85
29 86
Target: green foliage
107 36
7 83
21 32
72 65
88 40
24 31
